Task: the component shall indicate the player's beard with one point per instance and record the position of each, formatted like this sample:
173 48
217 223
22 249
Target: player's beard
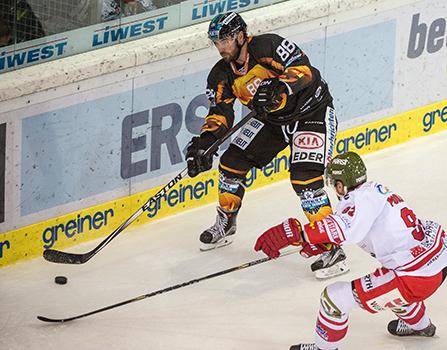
233 55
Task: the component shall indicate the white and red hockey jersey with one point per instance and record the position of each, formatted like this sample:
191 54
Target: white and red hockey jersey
381 223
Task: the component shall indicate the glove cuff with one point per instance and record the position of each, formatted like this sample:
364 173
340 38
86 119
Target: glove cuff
287 87
292 230
206 139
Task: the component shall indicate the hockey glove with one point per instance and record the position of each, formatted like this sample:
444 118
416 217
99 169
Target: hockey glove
278 237
270 96
196 159
308 249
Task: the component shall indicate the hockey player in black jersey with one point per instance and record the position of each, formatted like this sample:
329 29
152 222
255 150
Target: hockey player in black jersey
273 76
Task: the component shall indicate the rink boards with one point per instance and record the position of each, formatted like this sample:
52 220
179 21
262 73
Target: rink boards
78 159
97 221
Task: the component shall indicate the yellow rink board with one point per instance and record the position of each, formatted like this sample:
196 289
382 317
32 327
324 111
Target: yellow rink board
99 221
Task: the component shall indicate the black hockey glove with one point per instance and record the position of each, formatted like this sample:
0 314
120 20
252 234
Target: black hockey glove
196 159
271 95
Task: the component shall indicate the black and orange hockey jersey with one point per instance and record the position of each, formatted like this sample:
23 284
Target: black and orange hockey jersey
269 55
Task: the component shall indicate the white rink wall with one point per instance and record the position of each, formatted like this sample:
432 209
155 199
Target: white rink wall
96 127
308 14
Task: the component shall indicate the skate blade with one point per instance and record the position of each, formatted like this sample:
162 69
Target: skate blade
210 246
338 269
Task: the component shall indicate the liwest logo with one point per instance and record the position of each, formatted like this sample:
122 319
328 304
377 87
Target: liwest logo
32 54
209 8
87 222
432 38
121 32
366 138
429 118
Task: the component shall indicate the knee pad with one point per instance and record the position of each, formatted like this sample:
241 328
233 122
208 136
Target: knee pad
231 191
337 299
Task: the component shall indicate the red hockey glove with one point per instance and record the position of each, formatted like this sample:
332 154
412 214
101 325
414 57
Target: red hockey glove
309 249
278 237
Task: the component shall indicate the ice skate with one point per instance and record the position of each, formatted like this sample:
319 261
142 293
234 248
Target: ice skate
330 264
401 329
219 234
309 346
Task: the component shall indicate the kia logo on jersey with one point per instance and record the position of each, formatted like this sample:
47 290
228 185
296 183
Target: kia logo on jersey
308 140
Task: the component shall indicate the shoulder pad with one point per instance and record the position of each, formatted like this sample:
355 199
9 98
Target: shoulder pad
218 73
221 67
268 37
265 44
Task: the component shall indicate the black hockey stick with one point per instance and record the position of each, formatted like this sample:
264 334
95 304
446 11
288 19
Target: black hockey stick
161 291
60 257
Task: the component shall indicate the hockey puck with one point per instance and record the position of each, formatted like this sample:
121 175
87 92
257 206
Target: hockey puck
60 280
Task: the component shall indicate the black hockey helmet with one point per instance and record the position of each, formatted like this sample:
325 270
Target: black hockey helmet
226 25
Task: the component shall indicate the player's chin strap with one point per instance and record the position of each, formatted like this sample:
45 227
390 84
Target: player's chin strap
240 46
244 69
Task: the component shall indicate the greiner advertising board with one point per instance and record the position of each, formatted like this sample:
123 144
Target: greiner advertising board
134 137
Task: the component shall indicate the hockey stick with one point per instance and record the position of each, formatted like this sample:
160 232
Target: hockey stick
161 291
61 257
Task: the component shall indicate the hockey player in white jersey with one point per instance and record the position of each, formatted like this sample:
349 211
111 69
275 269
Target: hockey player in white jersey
412 252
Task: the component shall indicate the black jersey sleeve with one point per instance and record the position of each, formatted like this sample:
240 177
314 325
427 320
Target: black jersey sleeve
220 116
289 61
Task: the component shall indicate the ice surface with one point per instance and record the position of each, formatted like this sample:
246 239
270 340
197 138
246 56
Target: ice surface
268 306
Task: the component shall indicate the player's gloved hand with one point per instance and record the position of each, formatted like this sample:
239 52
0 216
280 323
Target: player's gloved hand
196 159
279 236
308 249
270 96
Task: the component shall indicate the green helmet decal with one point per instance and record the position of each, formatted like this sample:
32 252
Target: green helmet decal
348 168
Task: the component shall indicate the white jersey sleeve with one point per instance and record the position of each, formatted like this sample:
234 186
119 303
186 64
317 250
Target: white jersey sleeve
356 213
382 223
353 218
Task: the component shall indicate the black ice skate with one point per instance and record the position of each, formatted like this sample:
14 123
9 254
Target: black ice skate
219 234
330 264
310 346
401 329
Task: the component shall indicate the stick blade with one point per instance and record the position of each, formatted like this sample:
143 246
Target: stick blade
59 257
51 320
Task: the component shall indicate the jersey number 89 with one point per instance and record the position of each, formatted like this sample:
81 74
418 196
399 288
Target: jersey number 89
285 49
